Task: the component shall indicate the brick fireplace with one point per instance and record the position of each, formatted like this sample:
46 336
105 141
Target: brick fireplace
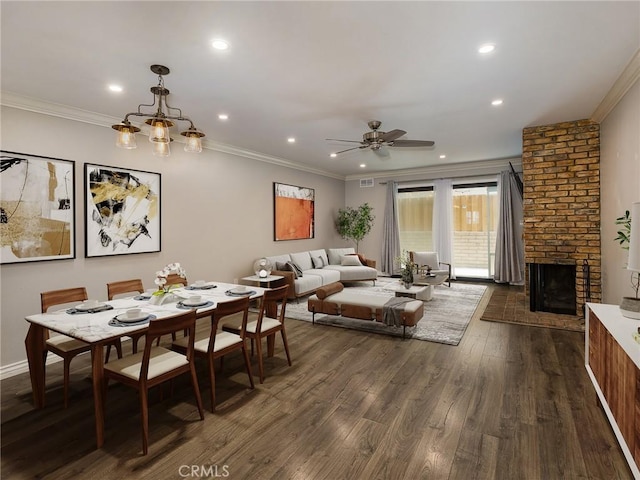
561 176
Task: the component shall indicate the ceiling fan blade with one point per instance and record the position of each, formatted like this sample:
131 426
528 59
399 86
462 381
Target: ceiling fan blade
338 140
349 149
392 135
382 152
412 143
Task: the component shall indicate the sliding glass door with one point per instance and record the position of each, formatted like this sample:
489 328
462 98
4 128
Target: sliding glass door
475 214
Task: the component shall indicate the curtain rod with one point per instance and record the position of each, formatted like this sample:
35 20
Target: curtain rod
452 178
443 178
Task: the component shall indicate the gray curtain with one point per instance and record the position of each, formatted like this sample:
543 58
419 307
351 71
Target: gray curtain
391 232
509 266
442 223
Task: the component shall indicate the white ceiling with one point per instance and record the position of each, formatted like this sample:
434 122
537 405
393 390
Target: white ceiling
317 70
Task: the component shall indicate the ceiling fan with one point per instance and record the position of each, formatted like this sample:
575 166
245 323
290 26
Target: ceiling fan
377 141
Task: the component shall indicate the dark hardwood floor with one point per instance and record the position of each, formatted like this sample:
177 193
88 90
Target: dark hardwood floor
509 402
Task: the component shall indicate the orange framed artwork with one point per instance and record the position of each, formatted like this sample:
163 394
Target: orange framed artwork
293 212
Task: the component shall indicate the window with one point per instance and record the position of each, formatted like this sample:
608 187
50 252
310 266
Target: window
415 216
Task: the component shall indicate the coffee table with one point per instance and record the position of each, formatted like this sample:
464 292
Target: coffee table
419 292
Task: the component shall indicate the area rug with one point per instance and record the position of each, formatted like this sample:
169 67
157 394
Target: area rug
509 304
445 318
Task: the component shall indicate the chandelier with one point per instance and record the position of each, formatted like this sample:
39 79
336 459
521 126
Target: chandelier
160 122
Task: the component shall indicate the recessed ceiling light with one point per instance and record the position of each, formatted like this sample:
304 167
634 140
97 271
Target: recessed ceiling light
496 102
486 48
115 88
220 44
362 165
223 116
333 155
291 140
443 156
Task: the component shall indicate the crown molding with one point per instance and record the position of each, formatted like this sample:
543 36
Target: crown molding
625 81
452 170
35 105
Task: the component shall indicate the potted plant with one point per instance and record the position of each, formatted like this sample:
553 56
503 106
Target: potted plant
163 294
355 223
406 269
630 306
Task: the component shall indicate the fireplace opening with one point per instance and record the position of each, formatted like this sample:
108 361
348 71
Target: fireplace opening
552 288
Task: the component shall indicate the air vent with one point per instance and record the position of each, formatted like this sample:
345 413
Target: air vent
366 182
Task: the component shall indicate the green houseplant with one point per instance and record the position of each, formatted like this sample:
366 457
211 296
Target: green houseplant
630 306
407 267
355 223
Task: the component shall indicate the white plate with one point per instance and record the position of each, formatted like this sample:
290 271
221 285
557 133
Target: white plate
191 303
84 308
239 291
124 318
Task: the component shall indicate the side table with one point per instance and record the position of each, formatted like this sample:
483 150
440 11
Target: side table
267 282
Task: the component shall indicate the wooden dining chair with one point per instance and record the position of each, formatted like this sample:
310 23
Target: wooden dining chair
270 321
173 279
214 344
120 288
62 345
156 365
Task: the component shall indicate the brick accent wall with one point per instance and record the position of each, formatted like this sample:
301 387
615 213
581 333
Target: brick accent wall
561 176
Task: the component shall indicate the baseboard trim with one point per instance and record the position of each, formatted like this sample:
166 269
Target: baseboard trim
18 368
8 371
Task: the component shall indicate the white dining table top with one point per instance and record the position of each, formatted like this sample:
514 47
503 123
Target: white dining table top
95 327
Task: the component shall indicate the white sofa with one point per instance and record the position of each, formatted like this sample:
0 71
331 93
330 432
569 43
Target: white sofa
333 267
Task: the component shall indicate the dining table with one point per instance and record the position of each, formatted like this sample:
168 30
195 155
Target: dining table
99 326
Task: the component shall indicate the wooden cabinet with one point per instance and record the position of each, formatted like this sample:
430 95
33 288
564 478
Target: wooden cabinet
612 360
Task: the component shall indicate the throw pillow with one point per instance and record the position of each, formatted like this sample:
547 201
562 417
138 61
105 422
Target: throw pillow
318 262
350 261
295 268
287 267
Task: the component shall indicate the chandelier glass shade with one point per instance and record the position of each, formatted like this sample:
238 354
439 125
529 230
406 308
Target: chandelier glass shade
159 122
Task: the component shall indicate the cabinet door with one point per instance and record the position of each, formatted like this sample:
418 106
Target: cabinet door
636 448
597 335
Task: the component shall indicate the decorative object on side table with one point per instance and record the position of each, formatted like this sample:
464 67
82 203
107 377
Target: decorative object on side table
262 267
164 295
406 269
630 234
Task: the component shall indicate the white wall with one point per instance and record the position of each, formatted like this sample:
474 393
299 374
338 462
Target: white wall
217 216
620 187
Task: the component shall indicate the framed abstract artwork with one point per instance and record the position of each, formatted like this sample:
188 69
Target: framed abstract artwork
37 208
293 212
122 211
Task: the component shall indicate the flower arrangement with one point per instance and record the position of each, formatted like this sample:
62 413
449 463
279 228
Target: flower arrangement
161 277
406 268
